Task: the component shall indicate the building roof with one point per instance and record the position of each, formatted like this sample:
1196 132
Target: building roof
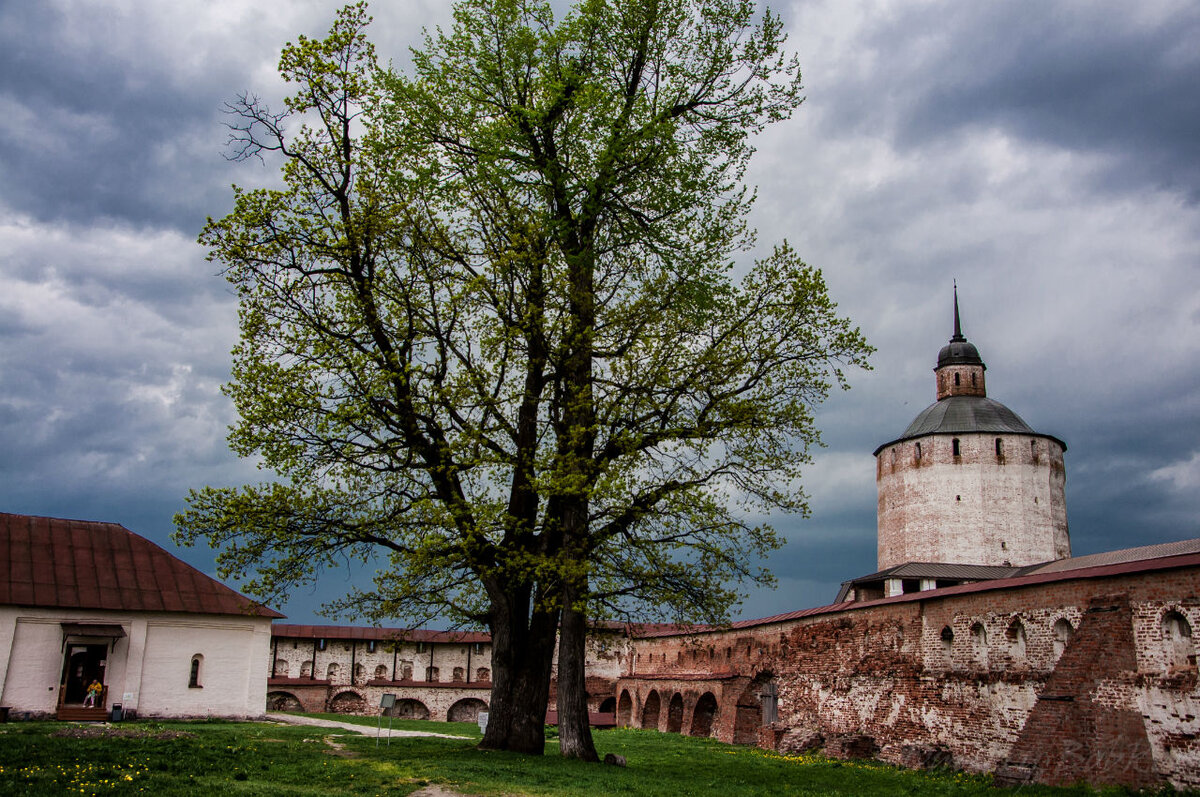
1130 561
84 564
963 415
351 632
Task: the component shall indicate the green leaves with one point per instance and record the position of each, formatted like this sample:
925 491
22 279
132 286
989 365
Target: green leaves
489 324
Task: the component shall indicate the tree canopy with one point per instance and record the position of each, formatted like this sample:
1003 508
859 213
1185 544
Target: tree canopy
497 328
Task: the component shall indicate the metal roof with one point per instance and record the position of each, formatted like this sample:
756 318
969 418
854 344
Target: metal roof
1142 553
352 632
963 415
85 564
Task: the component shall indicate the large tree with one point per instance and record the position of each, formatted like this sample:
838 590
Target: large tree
493 330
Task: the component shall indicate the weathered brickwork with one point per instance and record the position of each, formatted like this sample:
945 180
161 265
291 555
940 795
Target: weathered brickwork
976 507
1084 678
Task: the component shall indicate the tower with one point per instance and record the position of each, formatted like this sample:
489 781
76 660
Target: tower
969 482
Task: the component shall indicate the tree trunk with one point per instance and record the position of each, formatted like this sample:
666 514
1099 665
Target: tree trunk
522 657
574 730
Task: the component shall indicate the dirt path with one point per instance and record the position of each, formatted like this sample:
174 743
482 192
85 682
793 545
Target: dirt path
366 730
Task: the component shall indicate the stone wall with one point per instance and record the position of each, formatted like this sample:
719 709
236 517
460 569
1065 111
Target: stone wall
980 507
1054 680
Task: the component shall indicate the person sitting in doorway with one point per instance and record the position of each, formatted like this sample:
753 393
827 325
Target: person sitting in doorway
93 693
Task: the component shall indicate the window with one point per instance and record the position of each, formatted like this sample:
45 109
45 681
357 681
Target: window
477 647
431 674
999 447
1177 636
420 647
954 445
381 672
979 644
194 675
331 671
371 645
918 450
956 379
320 644
947 642
1062 636
483 674
1016 641
282 670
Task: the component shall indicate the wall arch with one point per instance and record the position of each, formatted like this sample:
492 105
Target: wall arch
409 709
703 715
466 710
283 701
608 705
625 709
650 710
1177 641
675 714
348 702
1062 636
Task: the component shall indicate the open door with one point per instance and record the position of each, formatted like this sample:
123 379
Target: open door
81 665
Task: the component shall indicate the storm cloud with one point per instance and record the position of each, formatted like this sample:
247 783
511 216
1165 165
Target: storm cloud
1044 155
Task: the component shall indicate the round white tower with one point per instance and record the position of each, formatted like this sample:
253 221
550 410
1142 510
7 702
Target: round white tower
969 482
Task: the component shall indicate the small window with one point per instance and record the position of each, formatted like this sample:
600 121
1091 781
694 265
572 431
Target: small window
1177 635
1062 636
331 671
381 672
420 647
195 674
999 447
431 674
371 645
956 380
918 450
478 647
954 445
947 642
321 644
483 674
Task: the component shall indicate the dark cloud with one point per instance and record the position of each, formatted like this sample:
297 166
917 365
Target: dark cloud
1047 156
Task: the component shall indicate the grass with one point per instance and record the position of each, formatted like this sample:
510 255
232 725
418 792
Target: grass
181 758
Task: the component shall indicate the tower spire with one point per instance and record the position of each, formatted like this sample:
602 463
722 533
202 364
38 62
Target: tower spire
958 335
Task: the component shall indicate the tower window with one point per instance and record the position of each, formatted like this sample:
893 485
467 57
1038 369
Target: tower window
954 445
999 448
194 674
956 380
918 450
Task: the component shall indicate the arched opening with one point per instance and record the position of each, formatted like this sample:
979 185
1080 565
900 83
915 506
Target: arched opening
360 673
431 674
624 709
483 674
410 710
703 715
748 716
381 672
306 669
675 714
281 669
331 672
348 703
195 674
1062 636
947 645
650 711
979 653
1015 635
458 674
466 710
608 705
283 701
1177 639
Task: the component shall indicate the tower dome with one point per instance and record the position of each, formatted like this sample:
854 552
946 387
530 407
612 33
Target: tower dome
968 481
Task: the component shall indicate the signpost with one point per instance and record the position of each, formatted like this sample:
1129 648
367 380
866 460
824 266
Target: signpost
385 702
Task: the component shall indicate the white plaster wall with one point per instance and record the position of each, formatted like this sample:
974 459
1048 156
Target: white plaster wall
148 669
976 508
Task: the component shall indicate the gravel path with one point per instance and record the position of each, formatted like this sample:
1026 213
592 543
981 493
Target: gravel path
366 730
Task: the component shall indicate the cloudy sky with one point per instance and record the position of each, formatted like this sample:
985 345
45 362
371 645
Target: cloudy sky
1044 154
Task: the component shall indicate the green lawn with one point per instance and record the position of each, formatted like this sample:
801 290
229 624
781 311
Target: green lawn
167 758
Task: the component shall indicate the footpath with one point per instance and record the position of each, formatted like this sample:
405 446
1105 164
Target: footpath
366 730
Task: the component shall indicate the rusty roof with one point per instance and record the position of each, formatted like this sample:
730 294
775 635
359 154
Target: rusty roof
86 564
356 632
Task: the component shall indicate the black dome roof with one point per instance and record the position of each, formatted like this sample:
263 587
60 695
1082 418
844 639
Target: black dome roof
965 414
959 352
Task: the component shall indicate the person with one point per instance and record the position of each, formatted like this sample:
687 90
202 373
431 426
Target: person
93 692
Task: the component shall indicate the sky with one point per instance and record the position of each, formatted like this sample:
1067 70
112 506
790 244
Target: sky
1046 155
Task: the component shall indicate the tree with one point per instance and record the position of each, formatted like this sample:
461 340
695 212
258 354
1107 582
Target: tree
492 327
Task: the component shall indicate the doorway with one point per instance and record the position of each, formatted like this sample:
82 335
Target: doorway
82 665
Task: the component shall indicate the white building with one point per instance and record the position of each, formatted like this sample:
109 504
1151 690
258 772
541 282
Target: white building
83 601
